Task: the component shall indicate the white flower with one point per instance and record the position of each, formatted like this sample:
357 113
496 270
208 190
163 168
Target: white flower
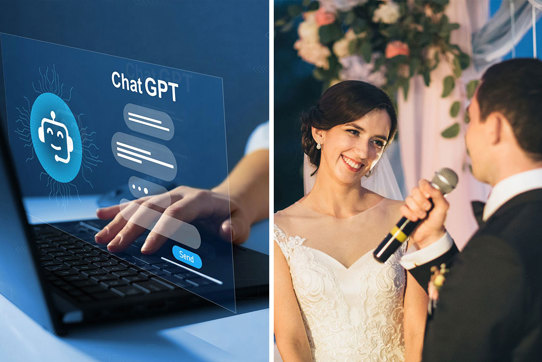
313 52
308 29
340 5
387 13
355 68
341 47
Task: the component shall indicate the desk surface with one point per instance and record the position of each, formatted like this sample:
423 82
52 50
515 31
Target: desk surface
212 334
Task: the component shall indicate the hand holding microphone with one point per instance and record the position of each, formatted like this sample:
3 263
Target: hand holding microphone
424 213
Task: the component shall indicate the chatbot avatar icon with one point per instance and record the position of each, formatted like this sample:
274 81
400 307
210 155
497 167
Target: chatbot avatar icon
55 137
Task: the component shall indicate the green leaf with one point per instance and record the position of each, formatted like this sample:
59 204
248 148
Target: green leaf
286 28
426 78
330 33
366 51
349 18
471 88
319 74
448 86
457 67
359 26
464 60
467 118
451 131
454 109
306 2
406 86
294 10
313 6
281 22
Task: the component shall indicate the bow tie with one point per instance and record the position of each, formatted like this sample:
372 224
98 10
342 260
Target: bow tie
478 210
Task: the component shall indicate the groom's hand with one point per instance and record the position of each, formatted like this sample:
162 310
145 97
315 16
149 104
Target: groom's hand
417 206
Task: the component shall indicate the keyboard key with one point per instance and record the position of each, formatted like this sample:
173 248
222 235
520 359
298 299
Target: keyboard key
128 290
114 283
125 273
135 278
105 295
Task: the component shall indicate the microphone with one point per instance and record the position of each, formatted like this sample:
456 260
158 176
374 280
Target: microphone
445 181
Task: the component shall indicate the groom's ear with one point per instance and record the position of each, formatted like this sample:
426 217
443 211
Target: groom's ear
497 127
318 135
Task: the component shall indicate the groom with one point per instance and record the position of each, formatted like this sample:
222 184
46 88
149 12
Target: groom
489 306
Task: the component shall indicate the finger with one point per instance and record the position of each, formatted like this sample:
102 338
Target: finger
440 203
409 214
235 229
106 213
416 208
153 243
170 225
420 199
109 232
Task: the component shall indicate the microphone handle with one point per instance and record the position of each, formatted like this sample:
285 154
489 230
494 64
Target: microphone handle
396 237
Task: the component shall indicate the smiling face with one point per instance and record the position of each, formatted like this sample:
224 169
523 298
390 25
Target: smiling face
56 138
351 149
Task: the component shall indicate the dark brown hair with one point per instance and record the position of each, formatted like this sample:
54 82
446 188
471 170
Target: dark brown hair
514 88
342 103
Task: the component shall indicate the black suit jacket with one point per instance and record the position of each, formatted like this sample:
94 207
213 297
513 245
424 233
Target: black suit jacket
490 306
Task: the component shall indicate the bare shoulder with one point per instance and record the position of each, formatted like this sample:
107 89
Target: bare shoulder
392 207
287 217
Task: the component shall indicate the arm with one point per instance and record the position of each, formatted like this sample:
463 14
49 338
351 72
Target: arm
248 202
415 314
249 186
430 233
290 334
481 306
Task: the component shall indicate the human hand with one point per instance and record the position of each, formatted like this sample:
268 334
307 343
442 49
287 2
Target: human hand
416 207
184 204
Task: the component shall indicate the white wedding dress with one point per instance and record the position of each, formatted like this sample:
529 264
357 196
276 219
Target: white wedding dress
350 314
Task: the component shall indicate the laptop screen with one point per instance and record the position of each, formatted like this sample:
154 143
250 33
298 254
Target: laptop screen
76 117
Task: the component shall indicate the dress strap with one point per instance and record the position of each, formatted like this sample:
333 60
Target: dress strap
286 243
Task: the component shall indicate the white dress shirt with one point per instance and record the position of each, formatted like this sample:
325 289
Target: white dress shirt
502 192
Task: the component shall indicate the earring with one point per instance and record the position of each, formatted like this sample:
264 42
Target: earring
318 146
368 174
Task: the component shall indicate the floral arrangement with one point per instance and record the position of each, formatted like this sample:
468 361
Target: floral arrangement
383 42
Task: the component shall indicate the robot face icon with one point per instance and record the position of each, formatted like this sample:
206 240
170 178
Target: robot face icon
56 135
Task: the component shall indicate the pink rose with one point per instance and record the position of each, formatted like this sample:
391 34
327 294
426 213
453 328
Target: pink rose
396 48
323 17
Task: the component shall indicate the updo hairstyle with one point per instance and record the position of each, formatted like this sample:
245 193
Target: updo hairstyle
342 103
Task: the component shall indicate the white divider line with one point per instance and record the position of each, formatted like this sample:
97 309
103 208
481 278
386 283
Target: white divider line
161 163
133 148
145 118
193 271
129 158
148 124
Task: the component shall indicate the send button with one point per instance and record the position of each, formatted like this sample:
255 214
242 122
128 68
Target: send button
187 257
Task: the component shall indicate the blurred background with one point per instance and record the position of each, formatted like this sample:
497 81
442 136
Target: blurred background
223 39
423 115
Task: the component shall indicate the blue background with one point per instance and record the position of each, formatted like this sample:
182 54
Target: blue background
227 39
198 144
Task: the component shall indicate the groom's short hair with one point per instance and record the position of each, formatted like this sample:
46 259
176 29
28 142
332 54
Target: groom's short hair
514 88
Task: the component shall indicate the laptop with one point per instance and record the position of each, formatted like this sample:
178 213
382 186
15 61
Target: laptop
64 280
55 272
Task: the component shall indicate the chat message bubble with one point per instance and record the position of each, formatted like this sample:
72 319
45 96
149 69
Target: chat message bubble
144 156
149 121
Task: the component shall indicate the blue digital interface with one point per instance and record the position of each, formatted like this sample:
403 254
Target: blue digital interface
162 125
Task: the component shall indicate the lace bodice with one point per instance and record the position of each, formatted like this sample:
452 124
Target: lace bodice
350 314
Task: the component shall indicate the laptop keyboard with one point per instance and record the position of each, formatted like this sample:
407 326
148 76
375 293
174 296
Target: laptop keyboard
88 273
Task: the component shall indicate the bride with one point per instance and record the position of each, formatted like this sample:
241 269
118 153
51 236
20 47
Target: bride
333 301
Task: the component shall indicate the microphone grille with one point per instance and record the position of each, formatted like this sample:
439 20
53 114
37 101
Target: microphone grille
445 180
